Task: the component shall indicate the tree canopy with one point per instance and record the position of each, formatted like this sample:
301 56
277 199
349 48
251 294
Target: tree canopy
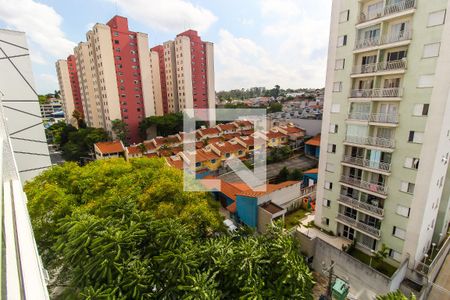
397 295
126 230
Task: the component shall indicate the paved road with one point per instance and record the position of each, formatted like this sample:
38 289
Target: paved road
302 163
441 288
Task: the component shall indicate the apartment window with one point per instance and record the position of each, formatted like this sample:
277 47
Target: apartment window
116 42
325 221
395 255
329 167
403 211
326 203
398 232
415 137
133 59
342 40
328 185
335 108
331 148
333 128
344 16
116 33
339 64
425 81
337 86
407 187
436 18
411 163
131 36
123 95
421 110
119 66
431 50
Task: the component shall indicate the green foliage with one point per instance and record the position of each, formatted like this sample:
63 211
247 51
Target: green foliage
296 174
120 129
126 230
75 143
274 107
241 94
238 105
165 125
279 154
397 295
283 175
42 99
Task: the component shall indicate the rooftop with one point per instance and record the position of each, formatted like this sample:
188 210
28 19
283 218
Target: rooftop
315 141
110 147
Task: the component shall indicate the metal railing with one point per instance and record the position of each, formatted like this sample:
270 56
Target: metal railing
377 93
387 10
384 118
359 225
393 37
365 207
371 164
400 64
371 141
358 116
369 186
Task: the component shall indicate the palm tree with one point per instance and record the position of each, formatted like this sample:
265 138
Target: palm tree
397 295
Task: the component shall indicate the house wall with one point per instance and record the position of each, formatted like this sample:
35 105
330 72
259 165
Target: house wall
247 210
264 219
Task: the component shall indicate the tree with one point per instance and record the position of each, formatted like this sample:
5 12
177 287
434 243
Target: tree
283 175
397 295
165 125
120 129
127 230
296 174
142 148
78 116
275 107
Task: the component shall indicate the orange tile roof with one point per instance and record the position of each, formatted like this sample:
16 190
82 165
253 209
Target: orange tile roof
315 141
133 150
312 171
167 140
244 123
232 207
150 155
149 145
228 147
110 147
293 129
214 140
269 189
229 136
207 131
202 155
275 135
178 163
227 126
246 132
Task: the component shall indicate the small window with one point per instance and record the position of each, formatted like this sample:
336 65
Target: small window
333 128
403 211
227 155
326 203
411 163
407 187
421 110
337 86
342 40
395 255
329 167
436 18
415 137
213 161
328 185
344 16
335 108
431 50
397 232
331 148
325 221
425 81
339 64
116 42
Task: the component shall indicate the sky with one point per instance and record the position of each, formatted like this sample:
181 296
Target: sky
256 42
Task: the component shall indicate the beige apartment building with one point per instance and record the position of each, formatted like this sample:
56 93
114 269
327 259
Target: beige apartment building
386 126
62 72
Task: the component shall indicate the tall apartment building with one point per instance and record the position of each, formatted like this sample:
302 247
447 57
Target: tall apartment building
189 68
114 75
159 80
386 130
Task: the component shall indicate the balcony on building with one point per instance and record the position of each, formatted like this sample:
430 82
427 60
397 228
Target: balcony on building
371 187
367 159
381 68
378 142
374 38
365 207
359 225
372 165
372 13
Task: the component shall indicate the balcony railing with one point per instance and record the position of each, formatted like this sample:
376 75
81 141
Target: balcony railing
380 67
377 93
359 116
359 225
384 118
363 206
387 10
393 37
369 186
371 164
371 141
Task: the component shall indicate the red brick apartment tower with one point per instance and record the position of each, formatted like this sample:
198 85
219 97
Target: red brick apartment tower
159 80
74 84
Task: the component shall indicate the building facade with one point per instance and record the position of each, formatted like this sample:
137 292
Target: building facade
385 138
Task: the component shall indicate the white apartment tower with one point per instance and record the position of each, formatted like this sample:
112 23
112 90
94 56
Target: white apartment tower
386 127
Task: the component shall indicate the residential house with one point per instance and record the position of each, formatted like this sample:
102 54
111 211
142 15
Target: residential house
109 149
312 147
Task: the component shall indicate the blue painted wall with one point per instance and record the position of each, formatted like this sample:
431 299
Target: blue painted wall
201 175
306 178
312 150
247 210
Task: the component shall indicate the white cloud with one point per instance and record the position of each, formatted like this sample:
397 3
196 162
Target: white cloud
41 23
168 15
36 57
281 7
49 78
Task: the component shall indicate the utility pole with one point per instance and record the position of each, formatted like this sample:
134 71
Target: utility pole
330 269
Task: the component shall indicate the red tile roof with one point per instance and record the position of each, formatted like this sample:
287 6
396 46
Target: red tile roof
275 135
227 147
227 127
209 131
315 141
312 171
133 150
293 129
269 189
244 123
177 163
202 155
110 147
232 207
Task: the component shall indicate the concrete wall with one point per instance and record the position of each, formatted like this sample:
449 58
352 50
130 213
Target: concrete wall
21 106
264 219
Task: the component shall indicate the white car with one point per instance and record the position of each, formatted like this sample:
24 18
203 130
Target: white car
228 222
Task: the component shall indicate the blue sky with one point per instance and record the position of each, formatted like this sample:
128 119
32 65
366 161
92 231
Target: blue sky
257 42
